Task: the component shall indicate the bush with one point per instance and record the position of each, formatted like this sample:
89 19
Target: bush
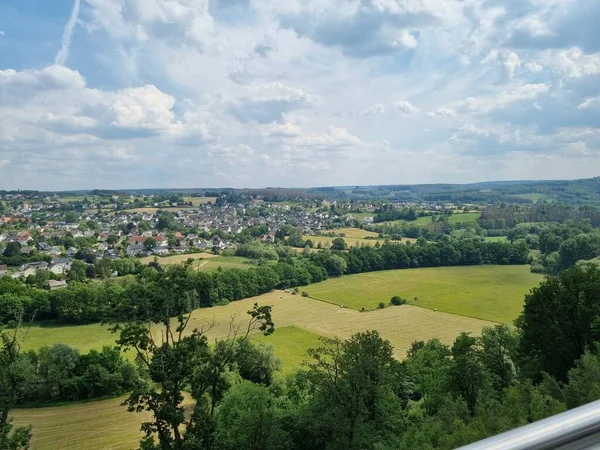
397 300
381 305
304 294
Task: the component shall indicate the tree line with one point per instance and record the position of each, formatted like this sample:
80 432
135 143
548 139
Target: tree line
87 302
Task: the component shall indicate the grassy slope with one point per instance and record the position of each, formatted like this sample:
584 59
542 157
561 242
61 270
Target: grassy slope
290 345
492 293
100 424
401 325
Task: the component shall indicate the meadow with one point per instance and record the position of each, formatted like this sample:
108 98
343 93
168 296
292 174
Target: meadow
203 261
352 236
493 293
91 425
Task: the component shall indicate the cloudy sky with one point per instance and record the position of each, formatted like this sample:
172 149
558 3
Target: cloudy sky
251 93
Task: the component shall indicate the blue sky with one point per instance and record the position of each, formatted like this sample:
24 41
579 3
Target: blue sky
250 93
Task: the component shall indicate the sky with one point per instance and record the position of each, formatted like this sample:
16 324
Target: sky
118 94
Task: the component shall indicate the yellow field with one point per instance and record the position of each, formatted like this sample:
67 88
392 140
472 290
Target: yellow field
401 325
197 201
176 259
100 424
352 241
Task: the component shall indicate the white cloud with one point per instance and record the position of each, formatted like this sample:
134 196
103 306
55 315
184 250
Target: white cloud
2 33
407 108
374 110
277 92
592 102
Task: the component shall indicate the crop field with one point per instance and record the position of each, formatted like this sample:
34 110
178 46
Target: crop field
401 324
353 237
197 201
102 424
177 259
493 293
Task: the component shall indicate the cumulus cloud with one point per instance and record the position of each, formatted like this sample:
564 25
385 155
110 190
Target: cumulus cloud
407 108
305 92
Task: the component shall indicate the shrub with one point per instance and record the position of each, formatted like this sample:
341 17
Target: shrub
381 305
304 294
397 300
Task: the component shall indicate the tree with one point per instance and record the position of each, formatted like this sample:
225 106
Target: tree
248 419
354 396
70 217
12 249
559 321
180 359
17 375
338 244
150 243
112 239
499 352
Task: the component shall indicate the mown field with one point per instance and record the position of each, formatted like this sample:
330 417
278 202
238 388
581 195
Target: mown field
102 424
492 293
197 201
353 237
401 325
177 259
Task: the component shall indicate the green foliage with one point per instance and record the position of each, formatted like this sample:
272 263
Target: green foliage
397 301
556 324
12 249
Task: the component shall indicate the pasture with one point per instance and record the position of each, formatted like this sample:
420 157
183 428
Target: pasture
493 293
401 325
197 201
178 259
98 424
289 345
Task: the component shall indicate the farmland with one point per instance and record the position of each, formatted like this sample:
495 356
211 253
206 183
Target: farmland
401 325
177 259
202 261
492 293
91 425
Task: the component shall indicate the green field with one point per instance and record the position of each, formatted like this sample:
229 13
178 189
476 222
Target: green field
492 293
224 262
83 337
496 239
290 345
102 424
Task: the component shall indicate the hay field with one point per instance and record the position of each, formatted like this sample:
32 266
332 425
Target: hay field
102 424
494 293
176 259
353 237
197 201
401 325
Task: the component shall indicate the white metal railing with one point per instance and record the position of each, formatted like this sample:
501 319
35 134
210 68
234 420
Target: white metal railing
576 429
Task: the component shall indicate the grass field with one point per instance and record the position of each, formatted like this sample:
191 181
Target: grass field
492 293
496 239
176 259
102 424
353 237
197 201
290 345
225 262
457 217
401 325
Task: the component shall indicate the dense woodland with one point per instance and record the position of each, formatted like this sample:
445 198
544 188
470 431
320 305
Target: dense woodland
350 395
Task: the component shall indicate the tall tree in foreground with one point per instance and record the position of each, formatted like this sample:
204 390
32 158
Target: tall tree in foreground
353 398
178 360
560 321
17 373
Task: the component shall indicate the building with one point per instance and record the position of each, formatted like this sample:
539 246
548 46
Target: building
54 285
